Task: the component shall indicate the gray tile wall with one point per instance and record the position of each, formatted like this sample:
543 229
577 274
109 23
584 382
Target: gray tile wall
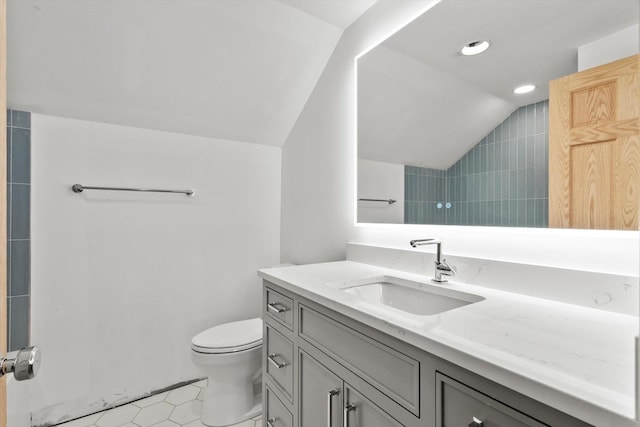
18 226
424 192
502 181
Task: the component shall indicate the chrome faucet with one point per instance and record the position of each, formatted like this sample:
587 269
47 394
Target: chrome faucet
443 268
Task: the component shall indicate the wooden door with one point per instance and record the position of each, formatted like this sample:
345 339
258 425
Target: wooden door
594 147
320 394
3 206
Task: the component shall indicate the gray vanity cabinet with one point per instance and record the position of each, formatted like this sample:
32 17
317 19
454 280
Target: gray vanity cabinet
275 412
324 369
361 412
320 392
459 405
280 367
324 395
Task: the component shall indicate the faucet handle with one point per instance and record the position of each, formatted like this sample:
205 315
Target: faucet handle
445 268
451 266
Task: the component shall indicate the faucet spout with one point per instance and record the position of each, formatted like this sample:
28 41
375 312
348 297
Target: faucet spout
420 242
442 267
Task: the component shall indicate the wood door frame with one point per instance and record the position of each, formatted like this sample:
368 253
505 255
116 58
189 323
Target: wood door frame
3 204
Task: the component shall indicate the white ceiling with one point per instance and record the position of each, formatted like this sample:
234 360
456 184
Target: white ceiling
340 13
237 70
422 103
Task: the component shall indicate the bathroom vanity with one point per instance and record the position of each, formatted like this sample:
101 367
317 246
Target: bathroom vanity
335 354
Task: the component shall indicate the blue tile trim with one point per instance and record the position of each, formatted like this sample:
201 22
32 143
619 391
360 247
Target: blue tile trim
18 228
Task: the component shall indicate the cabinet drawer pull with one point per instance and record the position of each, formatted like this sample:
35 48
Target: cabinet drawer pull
276 308
271 421
329 404
476 423
272 359
350 407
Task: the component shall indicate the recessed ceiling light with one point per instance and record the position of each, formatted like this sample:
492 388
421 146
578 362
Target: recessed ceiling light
524 89
475 47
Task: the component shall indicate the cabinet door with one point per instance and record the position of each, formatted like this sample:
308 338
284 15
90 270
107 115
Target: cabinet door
320 394
361 412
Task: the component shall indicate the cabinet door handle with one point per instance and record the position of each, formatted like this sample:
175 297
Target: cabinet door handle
274 362
350 407
329 404
476 423
271 421
276 308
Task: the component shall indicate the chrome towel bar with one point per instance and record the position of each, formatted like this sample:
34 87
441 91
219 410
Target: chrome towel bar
79 188
390 201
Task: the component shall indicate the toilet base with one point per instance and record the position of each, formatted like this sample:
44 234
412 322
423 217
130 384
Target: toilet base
215 409
212 421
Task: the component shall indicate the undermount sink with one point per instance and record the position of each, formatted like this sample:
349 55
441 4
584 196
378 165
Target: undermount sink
406 295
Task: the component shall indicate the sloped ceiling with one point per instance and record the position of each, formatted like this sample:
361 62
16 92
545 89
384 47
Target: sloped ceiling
421 103
237 70
340 13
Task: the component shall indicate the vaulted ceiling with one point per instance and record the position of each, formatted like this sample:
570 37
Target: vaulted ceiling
236 70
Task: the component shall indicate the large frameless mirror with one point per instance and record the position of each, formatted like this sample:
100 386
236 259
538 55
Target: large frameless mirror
444 139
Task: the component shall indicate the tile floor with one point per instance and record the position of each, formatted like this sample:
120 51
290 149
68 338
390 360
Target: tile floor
179 407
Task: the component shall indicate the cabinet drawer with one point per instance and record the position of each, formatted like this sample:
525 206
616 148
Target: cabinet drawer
275 414
279 307
393 373
458 405
279 360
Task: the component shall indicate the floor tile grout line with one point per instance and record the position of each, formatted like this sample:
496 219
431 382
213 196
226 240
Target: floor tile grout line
256 420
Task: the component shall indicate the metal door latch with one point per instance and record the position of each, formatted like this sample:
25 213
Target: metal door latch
24 366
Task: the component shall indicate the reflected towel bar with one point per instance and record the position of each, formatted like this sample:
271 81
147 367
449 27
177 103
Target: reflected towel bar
79 188
390 201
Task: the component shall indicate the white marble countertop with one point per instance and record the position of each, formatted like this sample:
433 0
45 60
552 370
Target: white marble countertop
579 360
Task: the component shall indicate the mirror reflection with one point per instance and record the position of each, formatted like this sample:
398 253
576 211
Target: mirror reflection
443 138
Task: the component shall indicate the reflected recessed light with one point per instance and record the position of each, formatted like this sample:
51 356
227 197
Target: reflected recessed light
524 89
475 47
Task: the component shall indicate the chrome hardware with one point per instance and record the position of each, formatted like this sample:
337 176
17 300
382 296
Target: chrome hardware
476 423
389 201
419 242
79 188
270 421
443 268
273 306
272 359
24 366
350 407
329 401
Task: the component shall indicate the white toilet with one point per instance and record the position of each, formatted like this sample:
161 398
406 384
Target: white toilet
229 355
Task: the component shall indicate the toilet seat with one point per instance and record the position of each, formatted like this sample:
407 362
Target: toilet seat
229 337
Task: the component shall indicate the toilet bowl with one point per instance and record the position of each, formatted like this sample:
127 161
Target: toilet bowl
229 356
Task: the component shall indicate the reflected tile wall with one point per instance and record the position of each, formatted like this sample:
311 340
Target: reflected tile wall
424 195
18 228
501 181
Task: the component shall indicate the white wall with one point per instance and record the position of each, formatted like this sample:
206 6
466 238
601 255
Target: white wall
615 46
122 281
318 188
384 181
318 174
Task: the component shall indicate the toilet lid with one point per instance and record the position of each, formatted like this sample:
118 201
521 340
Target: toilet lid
229 337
